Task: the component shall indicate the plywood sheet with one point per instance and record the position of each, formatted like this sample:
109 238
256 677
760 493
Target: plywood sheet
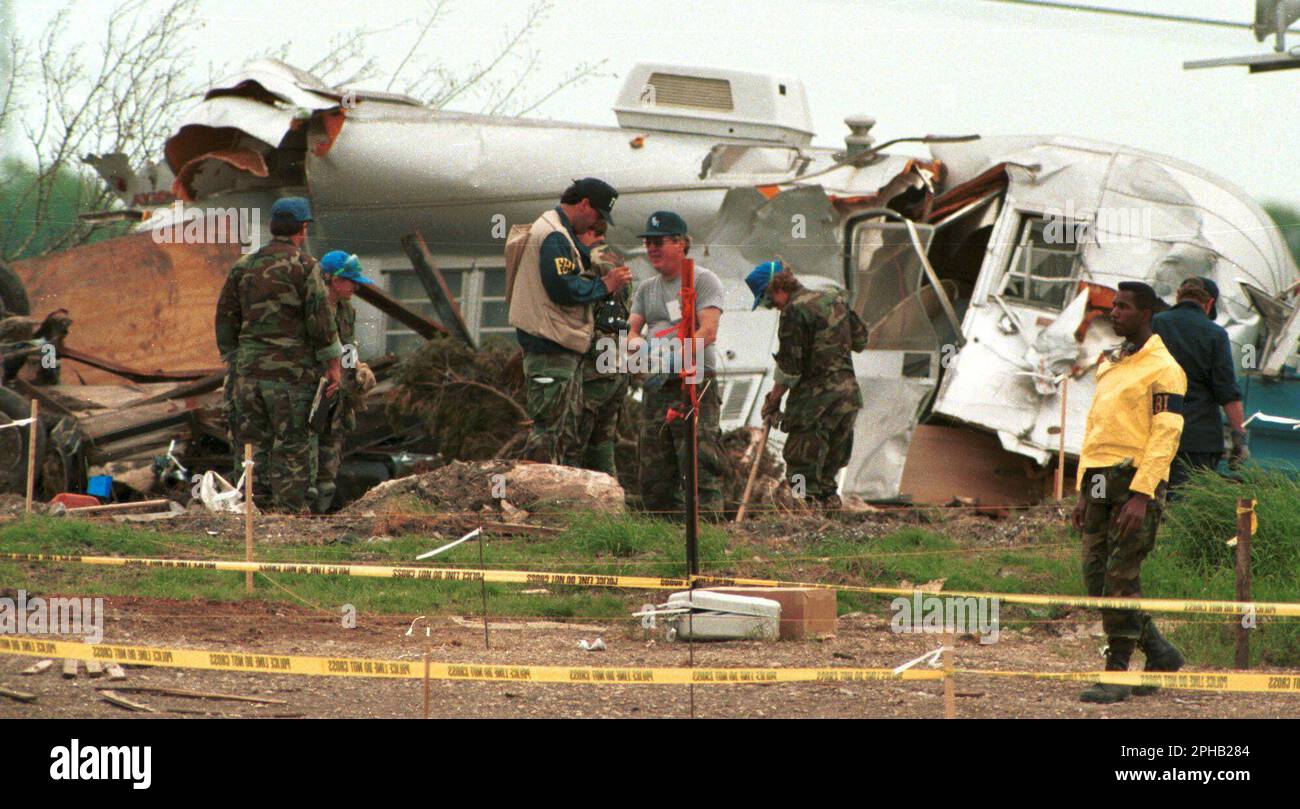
145 305
946 462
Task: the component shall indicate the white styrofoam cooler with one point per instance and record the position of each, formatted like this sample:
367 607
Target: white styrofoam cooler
722 616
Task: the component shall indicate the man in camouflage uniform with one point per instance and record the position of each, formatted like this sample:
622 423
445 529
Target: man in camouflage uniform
603 385
273 323
341 273
1132 434
818 334
663 443
550 308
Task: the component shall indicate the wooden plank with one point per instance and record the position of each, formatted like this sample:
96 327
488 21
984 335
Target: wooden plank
435 286
116 507
122 702
115 672
155 313
69 668
114 425
182 692
104 397
94 668
381 300
21 696
199 386
38 667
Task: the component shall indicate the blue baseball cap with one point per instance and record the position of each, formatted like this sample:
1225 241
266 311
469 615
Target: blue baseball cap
291 209
341 264
663 223
760 277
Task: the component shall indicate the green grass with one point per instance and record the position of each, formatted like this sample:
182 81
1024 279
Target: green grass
1184 564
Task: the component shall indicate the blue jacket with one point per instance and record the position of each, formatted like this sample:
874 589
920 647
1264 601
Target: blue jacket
1204 351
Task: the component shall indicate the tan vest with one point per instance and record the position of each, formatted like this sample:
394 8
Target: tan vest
532 310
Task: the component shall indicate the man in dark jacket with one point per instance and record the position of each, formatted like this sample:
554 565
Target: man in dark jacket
1204 352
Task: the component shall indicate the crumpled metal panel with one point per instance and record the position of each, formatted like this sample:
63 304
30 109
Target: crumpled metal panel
799 225
882 430
1187 223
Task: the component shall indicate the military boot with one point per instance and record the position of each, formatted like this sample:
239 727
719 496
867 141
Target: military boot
1161 656
1117 655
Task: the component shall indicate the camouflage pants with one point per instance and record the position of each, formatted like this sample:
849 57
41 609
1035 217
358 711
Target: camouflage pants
815 452
272 416
602 400
1112 566
663 449
329 457
231 415
553 390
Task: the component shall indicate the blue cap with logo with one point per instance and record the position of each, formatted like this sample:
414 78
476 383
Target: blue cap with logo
664 223
291 209
341 264
760 277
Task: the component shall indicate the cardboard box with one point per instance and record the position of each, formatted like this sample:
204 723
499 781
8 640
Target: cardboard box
805 612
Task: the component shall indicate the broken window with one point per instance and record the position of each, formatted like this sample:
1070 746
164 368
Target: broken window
1044 267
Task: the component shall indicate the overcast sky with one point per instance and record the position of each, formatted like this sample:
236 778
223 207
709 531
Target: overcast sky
917 66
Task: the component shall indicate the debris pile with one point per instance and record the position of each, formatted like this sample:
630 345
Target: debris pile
469 403
513 490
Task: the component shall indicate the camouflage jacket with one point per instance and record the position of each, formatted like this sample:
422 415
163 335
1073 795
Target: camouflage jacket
273 318
819 333
350 395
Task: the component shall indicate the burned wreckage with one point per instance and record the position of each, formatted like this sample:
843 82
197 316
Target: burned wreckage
983 271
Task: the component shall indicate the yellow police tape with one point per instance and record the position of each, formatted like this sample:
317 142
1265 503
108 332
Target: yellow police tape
369 571
1187 680
1260 609
269 663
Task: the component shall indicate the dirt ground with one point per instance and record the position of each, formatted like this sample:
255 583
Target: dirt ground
862 641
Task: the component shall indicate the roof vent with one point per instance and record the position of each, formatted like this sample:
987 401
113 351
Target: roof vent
728 104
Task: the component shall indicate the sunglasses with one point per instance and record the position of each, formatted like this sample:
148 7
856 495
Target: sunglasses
658 241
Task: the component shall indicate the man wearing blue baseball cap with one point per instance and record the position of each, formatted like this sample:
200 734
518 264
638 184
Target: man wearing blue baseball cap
818 332
342 274
274 330
1204 352
663 443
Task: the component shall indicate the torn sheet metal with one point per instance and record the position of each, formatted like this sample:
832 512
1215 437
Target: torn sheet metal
1056 350
799 225
1148 218
894 392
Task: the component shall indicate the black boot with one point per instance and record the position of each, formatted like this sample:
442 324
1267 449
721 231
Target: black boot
1117 655
1161 656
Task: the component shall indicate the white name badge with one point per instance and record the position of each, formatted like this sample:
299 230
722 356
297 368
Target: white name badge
674 310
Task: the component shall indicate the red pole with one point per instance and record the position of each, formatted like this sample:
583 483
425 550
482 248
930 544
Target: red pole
690 369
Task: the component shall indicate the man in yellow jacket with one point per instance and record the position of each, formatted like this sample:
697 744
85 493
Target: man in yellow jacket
1131 437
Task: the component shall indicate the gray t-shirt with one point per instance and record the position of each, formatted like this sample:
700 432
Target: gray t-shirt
659 303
